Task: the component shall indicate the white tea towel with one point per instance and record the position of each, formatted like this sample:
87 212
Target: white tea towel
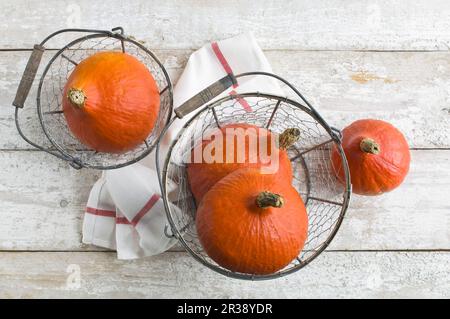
136 193
133 192
99 225
240 54
127 238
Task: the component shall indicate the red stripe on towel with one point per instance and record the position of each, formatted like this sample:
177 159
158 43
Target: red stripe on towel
100 212
242 101
228 69
151 202
122 221
222 60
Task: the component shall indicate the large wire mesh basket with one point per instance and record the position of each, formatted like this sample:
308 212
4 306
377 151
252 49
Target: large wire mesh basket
326 199
58 140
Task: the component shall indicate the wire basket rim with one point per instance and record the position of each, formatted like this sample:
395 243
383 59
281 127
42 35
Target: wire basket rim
177 233
67 156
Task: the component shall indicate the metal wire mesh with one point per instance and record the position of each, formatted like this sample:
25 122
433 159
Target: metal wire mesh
325 198
50 100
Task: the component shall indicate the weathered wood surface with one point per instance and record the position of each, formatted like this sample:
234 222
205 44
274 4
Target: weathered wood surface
411 90
43 202
344 56
306 25
176 275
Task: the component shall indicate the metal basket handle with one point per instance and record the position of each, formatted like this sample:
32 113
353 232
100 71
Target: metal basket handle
279 78
28 76
335 133
35 59
27 80
212 91
205 95
226 82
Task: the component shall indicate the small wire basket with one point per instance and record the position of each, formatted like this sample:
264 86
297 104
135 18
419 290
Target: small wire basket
59 141
326 199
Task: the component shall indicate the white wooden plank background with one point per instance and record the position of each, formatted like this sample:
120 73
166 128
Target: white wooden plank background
176 275
410 89
287 24
347 57
48 216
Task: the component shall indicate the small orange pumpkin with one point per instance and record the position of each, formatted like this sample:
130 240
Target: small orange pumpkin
252 223
377 154
111 102
203 174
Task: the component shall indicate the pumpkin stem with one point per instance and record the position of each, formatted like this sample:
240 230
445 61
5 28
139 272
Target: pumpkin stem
288 138
76 97
368 145
268 199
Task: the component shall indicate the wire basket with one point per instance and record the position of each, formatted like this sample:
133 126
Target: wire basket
63 144
325 198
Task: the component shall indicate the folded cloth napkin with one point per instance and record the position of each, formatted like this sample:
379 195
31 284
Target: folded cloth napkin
125 210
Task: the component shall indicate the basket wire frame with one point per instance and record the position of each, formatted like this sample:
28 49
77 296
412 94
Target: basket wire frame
63 143
325 198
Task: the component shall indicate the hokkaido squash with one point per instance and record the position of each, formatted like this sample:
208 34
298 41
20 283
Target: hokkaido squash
377 154
235 146
251 222
111 102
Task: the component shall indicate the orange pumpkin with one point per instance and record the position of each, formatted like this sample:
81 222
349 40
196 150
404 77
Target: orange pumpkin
111 102
377 154
252 223
234 143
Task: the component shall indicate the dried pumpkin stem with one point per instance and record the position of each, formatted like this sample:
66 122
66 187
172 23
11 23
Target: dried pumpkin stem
76 97
368 145
288 138
268 199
